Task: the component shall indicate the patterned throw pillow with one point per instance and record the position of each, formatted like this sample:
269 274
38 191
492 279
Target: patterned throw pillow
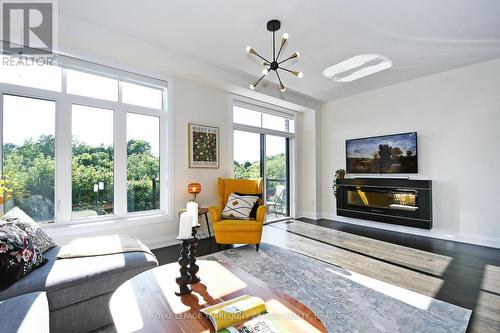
239 206
41 240
258 203
18 255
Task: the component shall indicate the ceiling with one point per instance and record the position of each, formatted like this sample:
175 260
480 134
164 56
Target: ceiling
421 37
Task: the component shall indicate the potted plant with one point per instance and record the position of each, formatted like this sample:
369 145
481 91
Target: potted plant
339 174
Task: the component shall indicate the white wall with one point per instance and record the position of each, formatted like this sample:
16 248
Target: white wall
195 103
308 179
457 117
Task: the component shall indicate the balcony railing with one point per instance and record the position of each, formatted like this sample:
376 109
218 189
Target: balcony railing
276 196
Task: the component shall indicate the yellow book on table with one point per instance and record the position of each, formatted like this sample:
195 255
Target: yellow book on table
229 313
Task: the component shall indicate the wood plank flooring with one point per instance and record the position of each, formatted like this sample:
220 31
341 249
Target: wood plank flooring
461 274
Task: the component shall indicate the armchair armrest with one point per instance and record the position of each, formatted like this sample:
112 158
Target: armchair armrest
215 214
261 214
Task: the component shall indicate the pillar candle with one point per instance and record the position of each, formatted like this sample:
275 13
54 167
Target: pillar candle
192 208
185 226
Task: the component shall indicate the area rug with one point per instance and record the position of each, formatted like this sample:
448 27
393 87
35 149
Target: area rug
345 301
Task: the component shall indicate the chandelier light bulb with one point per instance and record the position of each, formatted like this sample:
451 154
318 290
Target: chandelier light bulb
283 89
297 54
252 86
300 75
265 71
285 36
248 49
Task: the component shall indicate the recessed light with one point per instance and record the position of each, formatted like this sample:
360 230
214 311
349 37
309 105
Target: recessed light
357 67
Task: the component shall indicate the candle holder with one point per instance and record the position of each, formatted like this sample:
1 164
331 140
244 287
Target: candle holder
193 268
184 279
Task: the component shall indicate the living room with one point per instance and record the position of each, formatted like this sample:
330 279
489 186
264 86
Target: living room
333 163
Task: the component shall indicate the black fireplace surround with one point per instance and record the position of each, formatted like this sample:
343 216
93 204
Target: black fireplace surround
390 200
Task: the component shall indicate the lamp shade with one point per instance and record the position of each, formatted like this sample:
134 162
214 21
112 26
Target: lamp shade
194 188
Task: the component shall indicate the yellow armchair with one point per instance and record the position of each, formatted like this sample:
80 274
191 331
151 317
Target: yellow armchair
237 231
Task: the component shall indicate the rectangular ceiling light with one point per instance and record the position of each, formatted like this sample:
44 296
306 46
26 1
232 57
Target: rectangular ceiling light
357 67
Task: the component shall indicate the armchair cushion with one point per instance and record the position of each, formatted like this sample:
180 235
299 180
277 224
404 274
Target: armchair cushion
237 226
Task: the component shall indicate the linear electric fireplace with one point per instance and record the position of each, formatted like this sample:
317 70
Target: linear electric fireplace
390 200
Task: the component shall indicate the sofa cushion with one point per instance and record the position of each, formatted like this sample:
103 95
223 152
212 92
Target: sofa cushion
237 226
68 281
39 237
25 314
18 255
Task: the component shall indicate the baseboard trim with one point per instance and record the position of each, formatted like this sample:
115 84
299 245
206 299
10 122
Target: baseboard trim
433 233
310 215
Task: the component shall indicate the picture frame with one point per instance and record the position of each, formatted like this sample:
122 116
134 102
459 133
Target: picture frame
203 146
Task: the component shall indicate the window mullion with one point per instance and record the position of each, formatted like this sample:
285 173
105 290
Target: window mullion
120 161
63 155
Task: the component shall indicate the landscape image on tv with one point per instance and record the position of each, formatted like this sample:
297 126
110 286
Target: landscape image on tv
395 153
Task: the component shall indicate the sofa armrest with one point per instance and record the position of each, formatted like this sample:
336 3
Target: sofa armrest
215 214
261 214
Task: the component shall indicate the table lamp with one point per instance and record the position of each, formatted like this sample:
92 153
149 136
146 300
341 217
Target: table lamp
194 189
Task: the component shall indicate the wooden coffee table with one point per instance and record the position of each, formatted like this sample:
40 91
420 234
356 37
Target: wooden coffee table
147 303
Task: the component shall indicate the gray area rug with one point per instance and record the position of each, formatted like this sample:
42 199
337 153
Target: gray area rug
345 301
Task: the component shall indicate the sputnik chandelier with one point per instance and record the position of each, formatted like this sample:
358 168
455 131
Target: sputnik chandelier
275 64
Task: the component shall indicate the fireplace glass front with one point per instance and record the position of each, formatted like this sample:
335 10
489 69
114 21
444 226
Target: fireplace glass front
403 201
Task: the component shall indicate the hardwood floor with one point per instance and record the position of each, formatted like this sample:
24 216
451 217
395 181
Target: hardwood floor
461 274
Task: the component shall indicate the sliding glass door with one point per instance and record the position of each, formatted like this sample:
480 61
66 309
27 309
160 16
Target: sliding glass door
247 155
262 139
276 172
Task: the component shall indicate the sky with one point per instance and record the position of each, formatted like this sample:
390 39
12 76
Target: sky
367 147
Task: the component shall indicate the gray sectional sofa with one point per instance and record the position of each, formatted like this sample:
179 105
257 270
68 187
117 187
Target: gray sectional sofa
77 289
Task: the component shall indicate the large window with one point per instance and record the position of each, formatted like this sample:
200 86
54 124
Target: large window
143 154
79 144
92 163
28 155
262 141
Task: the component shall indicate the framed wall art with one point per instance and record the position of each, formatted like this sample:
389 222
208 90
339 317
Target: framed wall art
203 146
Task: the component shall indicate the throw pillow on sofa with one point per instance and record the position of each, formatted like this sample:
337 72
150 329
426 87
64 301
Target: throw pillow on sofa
18 254
239 206
41 240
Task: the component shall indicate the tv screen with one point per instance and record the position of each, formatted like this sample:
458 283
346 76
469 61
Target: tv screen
396 153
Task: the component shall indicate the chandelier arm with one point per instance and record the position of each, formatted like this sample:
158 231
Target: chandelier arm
279 52
279 79
258 81
289 71
258 55
289 58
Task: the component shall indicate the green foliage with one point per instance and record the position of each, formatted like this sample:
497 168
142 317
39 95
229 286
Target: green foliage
29 169
275 170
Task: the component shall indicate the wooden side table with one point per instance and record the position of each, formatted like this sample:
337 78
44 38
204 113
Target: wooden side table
204 211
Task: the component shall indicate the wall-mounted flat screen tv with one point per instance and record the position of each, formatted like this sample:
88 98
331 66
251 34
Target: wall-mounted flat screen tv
396 153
